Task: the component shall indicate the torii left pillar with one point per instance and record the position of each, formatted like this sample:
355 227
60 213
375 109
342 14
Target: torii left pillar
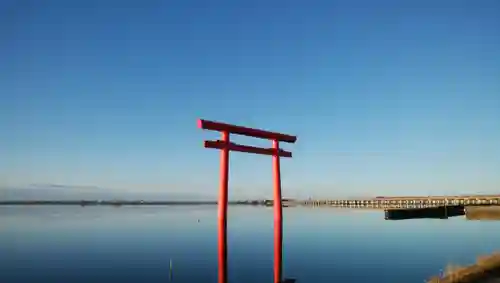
225 145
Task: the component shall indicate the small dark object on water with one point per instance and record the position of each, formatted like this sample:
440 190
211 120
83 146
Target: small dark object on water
198 220
288 280
170 271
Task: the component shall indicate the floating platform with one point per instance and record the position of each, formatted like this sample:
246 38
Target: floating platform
441 212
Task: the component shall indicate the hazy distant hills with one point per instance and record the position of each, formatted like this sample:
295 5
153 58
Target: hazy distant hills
62 192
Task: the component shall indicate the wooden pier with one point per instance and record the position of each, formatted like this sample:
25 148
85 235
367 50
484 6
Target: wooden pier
440 212
405 202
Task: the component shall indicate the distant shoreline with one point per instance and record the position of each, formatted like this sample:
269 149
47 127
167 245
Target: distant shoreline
121 202
381 203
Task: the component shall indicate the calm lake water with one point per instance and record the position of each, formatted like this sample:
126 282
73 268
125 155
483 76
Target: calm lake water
135 244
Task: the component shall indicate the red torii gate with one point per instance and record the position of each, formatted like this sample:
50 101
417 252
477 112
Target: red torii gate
225 145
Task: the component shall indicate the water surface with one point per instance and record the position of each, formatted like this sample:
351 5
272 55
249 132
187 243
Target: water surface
135 244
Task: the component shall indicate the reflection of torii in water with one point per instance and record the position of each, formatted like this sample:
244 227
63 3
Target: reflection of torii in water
225 145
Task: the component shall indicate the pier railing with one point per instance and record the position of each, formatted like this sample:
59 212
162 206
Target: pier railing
396 203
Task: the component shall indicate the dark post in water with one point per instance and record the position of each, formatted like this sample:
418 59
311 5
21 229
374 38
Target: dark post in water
225 145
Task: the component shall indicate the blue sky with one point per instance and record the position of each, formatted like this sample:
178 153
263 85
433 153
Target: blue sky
386 97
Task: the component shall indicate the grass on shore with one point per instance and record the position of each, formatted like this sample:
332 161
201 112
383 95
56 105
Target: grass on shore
486 268
482 213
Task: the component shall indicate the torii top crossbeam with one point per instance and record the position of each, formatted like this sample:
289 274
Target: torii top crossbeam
244 131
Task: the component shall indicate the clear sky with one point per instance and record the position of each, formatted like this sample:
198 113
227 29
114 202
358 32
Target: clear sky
386 97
